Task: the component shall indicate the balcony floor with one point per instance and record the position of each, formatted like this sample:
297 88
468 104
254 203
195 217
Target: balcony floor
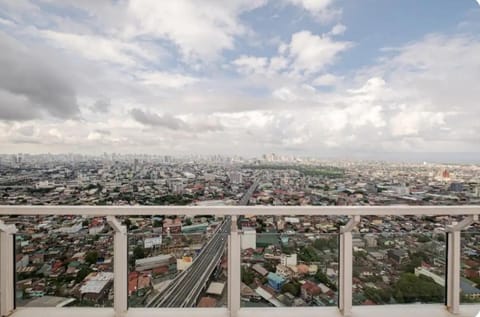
416 310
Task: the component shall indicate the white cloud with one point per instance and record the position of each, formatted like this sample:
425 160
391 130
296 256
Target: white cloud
199 31
312 53
54 132
6 22
321 9
278 64
203 122
359 108
260 65
285 94
313 5
373 85
255 119
251 64
94 136
337 120
100 48
410 122
338 29
326 80
306 54
166 80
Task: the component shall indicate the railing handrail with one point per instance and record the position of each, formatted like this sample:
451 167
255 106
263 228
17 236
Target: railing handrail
391 210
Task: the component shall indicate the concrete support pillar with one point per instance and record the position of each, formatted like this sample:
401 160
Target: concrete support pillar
234 278
120 267
346 264
453 262
7 269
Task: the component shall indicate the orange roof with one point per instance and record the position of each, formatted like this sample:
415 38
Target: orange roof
207 302
187 259
137 280
302 268
311 288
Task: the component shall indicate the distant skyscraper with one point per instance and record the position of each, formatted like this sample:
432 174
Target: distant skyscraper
446 174
135 165
443 175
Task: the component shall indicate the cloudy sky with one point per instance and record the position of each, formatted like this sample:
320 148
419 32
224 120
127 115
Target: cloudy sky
324 78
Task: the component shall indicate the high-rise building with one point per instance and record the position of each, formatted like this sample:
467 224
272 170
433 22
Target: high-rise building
135 165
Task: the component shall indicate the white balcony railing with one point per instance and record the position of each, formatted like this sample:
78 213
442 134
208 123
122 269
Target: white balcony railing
467 214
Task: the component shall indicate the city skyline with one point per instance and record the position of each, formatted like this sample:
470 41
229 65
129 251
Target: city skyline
327 78
387 158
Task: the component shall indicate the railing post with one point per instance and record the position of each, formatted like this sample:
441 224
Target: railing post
234 279
7 269
346 264
453 262
120 269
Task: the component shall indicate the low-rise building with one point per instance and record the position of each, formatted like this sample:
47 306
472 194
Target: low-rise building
276 281
159 263
308 290
96 286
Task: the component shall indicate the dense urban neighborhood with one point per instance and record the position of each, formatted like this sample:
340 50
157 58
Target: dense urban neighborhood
285 260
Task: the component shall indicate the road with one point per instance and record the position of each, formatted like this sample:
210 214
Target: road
185 289
246 198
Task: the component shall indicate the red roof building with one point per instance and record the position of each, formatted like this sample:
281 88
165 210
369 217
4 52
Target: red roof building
309 290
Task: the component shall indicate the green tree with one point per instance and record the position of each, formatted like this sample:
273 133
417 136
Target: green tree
247 275
128 223
410 288
269 266
323 278
82 273
415 261
91 257
379 296
308 254
292 288
423 238
138 252
360 255
288 249
324 244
